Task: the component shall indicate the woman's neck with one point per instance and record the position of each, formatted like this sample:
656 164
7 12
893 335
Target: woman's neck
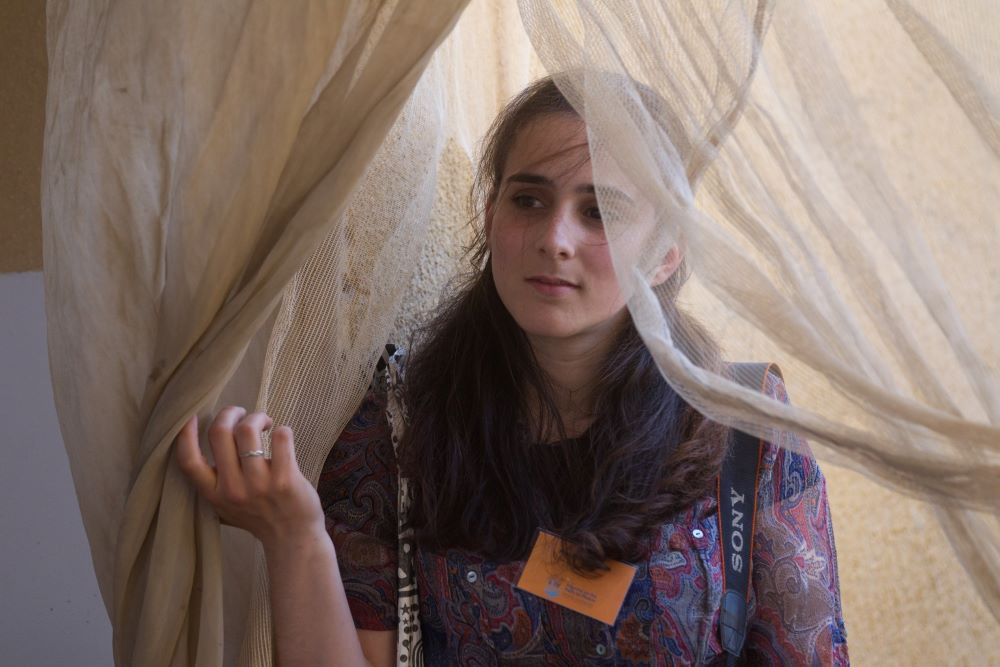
572 367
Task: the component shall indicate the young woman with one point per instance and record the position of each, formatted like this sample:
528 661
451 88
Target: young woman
531 405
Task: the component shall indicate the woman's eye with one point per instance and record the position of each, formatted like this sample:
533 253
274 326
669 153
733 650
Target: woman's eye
592 212
526 201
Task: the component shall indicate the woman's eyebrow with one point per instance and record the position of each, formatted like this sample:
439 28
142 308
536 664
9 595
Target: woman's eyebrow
532 179
587 188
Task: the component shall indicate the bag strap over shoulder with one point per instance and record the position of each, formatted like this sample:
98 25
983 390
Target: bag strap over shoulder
409 640
737 504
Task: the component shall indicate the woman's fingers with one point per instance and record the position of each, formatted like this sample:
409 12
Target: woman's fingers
223 443
248 441
269 498
190 459
283 461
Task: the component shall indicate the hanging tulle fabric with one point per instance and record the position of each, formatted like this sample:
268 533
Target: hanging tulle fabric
834 194
737 132
196 155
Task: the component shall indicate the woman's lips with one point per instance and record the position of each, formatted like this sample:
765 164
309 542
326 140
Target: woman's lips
552 286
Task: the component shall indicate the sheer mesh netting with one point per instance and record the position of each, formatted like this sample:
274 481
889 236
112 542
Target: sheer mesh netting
835 216
237 195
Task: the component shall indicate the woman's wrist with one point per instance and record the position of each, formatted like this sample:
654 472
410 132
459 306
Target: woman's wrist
297 542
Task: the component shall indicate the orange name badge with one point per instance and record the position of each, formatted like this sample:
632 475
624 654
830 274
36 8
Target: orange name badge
548 577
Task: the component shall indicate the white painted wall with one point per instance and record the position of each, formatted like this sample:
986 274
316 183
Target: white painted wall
51 614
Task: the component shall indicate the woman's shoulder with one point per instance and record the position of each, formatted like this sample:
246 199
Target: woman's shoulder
387 378
788 466
364 449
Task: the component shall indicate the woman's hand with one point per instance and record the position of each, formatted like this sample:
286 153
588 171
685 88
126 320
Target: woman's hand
268 497
271 499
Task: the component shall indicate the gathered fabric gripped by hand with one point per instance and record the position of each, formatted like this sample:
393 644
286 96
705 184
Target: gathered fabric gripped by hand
269 497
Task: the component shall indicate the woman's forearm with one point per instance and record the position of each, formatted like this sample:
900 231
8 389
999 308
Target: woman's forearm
312 621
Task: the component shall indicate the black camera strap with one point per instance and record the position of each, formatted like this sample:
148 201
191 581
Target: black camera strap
737 501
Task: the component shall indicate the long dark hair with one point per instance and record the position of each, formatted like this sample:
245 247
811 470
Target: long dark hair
481 479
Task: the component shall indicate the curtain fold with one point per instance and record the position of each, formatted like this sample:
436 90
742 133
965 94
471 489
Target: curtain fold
175 212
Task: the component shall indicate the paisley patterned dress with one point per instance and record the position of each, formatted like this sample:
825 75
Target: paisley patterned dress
470 612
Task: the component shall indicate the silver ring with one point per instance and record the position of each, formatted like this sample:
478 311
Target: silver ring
256 452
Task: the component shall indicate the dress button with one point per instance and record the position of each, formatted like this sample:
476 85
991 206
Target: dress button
471 577
697 533
601 649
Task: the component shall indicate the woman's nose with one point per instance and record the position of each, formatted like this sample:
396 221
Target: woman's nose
557 234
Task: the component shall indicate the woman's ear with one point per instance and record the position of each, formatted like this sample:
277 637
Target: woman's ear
667 267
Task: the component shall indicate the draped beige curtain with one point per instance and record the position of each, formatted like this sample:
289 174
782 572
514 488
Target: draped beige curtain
339 309
834 190
196 154
766 140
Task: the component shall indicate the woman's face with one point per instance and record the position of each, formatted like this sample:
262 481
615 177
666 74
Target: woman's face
550 258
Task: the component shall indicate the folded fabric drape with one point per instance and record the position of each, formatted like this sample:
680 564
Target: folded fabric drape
196 154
